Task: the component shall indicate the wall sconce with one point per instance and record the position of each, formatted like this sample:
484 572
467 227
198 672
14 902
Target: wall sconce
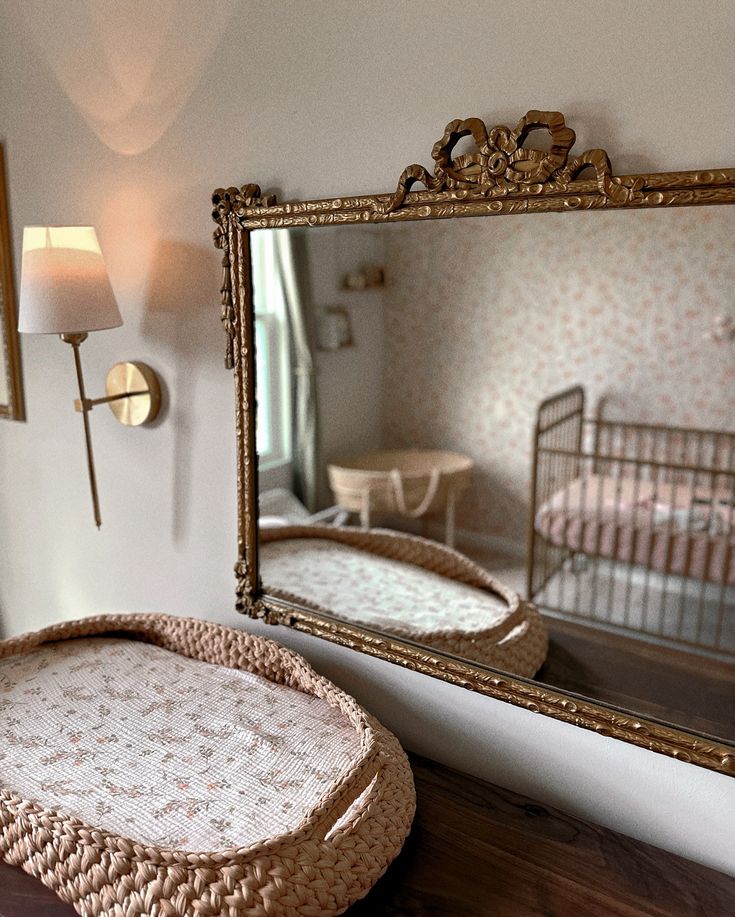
65 290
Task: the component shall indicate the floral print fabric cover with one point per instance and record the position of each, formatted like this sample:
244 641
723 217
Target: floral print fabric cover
377 591
163 749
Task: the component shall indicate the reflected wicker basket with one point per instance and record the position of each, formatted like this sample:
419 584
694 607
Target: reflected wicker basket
401 482
64 702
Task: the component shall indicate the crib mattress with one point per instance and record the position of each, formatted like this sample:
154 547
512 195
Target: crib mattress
161 765
408 587
669 528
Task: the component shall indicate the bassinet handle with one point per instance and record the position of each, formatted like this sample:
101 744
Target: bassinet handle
433 486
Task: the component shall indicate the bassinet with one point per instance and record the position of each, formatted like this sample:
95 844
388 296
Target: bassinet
403 482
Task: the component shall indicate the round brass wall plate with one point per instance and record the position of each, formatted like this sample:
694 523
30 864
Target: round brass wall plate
140 383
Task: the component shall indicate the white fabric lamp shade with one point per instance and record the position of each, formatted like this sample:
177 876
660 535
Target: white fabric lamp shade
64 286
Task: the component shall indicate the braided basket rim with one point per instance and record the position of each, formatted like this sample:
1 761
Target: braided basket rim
167 631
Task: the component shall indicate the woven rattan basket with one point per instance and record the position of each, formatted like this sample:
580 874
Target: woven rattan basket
321 865
402 482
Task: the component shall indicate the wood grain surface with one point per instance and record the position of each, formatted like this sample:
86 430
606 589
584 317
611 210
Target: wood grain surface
671 685
480 851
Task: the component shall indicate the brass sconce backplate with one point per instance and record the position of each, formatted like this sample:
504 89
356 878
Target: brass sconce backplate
140 383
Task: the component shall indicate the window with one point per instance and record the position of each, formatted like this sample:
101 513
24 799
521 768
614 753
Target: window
273 365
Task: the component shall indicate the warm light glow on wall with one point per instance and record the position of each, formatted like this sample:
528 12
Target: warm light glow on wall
128 66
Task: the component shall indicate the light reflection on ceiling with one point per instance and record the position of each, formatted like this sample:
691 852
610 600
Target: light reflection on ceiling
128 66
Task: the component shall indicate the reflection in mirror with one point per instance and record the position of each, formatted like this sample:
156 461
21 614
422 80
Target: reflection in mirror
554 397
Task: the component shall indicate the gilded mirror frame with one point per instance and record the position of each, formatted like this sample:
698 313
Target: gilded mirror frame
501 175
14 409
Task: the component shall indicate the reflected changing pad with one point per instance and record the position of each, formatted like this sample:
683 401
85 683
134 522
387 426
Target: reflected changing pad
405 586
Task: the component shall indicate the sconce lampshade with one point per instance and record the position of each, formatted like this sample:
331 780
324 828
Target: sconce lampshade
64 287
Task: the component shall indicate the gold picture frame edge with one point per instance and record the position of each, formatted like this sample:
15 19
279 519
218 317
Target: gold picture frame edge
15 409
237 212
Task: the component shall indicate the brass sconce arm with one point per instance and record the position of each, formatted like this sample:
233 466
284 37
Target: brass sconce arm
133 394
89 403
75 340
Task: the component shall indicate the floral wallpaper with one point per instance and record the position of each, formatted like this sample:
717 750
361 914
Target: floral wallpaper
486 317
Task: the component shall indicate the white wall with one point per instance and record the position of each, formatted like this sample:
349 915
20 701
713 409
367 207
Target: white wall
127 115
350 380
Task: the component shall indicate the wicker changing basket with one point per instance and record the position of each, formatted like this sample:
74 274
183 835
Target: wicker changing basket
404 482
330 855
406 586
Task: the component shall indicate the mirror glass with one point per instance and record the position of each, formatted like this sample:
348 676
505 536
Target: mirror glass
552 396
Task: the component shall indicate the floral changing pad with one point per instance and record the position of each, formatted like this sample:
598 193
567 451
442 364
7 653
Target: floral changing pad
149 744
160 765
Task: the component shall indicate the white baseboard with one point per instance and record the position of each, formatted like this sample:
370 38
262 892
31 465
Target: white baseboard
496 544
463 538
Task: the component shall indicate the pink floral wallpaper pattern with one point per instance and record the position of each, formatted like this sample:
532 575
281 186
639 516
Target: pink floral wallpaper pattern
486 317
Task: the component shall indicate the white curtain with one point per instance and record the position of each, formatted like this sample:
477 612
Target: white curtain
292 268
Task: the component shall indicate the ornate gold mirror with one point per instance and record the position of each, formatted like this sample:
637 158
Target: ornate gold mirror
501 453
11 391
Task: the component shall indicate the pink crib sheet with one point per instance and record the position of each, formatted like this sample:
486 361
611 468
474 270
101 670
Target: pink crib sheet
670 528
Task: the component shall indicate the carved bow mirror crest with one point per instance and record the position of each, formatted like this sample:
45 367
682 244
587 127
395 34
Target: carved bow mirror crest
502 163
